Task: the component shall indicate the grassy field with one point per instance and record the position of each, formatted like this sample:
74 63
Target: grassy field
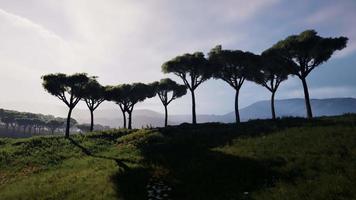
290 158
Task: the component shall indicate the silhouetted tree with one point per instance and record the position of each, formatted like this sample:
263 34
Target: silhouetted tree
163 88
93 95
117 95
137 93
233 67
68 88
193 69
273 70
307 50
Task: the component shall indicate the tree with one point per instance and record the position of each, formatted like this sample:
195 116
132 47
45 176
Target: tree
24 122
163 88
9 120
307 50
273 70
128 95
137 92
117 94
68 88
54 124
93 95
193 69
233 67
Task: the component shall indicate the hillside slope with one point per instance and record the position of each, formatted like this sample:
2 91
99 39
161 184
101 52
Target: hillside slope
260 159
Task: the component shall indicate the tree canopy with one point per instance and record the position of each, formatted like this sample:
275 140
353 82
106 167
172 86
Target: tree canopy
166 86
93 94
128 95
307 50
68 88
273 70
233 67
193 69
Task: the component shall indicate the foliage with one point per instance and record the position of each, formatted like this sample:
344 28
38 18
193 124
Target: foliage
60 84
193 69
259 159
166 86
68 88
93 94
234 67
31 121
307 51
128 95
193 65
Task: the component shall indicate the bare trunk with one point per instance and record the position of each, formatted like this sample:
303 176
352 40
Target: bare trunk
124 118
272 106
68 123
306 98
237 113
165 116
130 120
91 120
194 118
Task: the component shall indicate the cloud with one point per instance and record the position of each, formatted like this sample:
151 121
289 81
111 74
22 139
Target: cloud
127 41
341 17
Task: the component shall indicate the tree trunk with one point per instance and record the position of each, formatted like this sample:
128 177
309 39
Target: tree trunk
194 118
68 123
165 116
124 118
272 106
306 98
237 113
91 120
130 120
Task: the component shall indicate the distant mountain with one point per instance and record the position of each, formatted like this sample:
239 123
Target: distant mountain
296 107
258 110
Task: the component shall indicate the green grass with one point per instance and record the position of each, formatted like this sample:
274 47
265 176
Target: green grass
290 158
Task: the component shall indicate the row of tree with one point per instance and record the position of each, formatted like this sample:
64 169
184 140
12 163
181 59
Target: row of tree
30 122
73 88
296 55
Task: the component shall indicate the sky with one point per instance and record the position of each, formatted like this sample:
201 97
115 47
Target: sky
126 41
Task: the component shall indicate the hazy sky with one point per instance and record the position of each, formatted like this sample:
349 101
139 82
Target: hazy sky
127 41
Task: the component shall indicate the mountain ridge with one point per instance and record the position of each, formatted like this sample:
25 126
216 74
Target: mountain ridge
259 110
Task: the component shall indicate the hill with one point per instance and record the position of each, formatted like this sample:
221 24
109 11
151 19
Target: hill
258 110
296 108
260 159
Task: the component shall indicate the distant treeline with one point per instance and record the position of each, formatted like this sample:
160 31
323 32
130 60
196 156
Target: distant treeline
30 123
296 55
